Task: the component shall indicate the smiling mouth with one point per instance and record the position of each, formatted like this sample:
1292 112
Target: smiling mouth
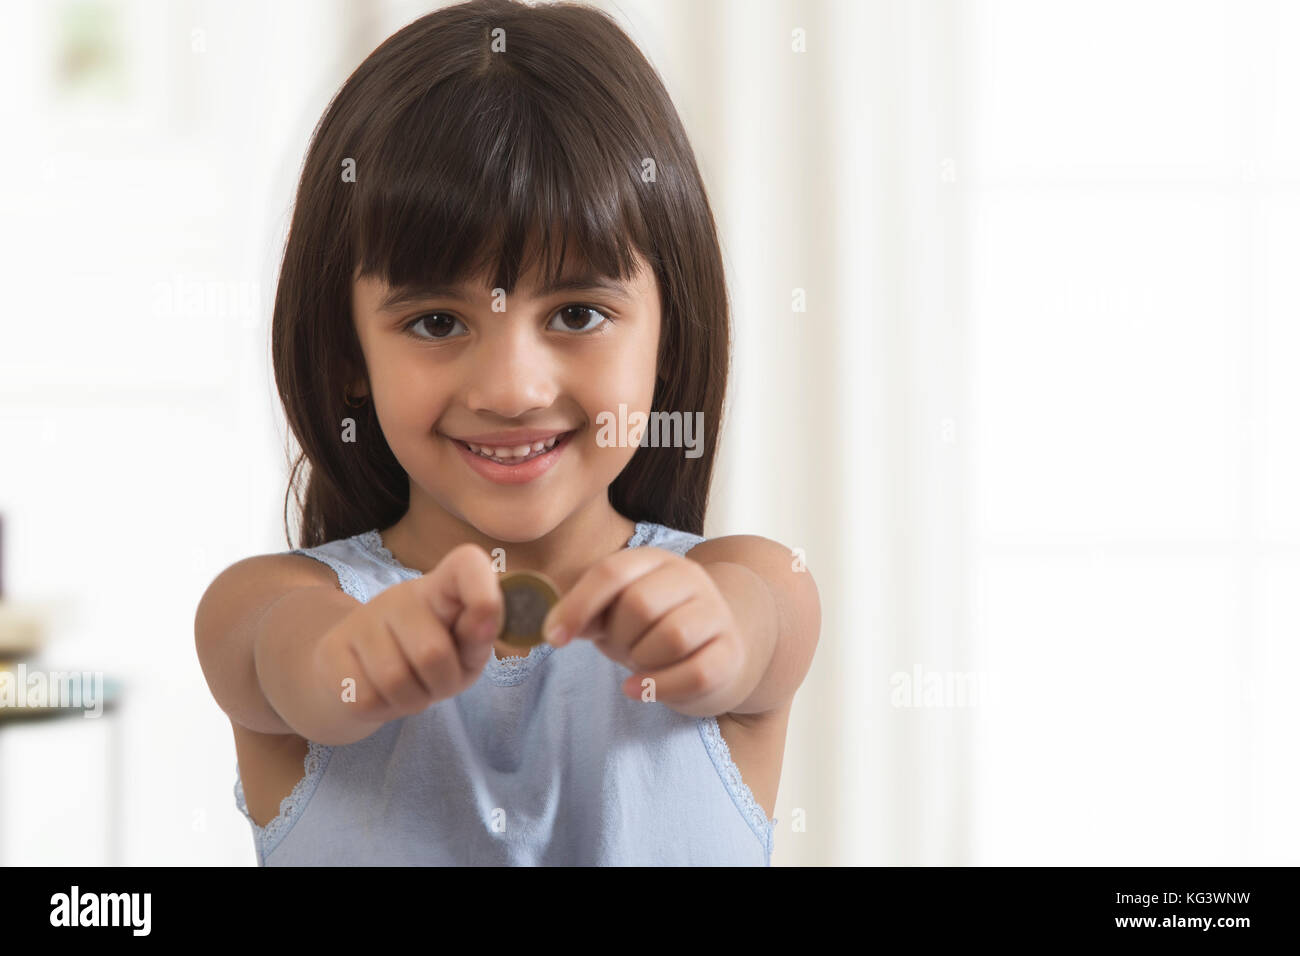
517 454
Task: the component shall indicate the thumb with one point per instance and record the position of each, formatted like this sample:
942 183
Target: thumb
465 595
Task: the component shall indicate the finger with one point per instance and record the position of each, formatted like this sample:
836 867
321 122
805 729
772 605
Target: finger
465 595
698 680
674 637
368 700
596 589
388 672
432 654
640 605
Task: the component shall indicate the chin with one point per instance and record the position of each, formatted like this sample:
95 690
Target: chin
510 528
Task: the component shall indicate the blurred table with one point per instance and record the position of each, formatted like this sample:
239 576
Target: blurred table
12 718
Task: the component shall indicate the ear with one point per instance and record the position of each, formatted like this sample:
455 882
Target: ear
356 392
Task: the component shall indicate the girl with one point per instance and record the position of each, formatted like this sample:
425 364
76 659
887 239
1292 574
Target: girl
501 243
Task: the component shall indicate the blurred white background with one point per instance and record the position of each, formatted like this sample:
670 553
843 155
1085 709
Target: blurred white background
1034 430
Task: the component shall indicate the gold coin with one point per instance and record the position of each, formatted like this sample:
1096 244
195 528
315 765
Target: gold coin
529 597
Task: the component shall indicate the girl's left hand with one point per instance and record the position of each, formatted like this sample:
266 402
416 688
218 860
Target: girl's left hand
662 616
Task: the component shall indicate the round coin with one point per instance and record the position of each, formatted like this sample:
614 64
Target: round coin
529 596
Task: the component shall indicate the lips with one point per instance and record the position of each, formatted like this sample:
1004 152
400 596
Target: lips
513 453
520 463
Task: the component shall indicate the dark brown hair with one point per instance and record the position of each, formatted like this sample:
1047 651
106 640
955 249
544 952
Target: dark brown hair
466 158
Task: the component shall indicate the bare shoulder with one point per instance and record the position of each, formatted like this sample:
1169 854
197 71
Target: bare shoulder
785 572
244 590
226 623
756 741
776 563
270 764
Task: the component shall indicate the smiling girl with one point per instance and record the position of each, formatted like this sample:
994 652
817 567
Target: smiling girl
500 237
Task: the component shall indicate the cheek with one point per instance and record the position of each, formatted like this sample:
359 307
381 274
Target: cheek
611 388
626 376
408 396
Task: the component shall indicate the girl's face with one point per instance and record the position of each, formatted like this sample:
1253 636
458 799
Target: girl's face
451 367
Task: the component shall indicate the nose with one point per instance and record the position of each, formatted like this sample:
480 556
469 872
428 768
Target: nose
510 372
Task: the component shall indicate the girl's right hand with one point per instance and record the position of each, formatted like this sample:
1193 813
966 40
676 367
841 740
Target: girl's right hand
418 641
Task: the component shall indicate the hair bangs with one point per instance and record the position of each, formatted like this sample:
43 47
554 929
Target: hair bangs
479 178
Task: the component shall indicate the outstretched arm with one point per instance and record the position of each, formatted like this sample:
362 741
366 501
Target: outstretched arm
777 610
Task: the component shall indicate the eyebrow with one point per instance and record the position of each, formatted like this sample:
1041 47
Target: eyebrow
418 291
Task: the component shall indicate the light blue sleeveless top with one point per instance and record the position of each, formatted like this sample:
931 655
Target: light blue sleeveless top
542 761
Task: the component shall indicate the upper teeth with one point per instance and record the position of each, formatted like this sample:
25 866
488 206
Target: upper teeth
515 451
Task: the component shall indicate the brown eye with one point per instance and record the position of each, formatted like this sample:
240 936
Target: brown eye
578 318
439 325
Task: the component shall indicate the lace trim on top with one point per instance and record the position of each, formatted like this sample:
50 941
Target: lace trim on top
348 579
501 671
291 807
374 541
743 797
